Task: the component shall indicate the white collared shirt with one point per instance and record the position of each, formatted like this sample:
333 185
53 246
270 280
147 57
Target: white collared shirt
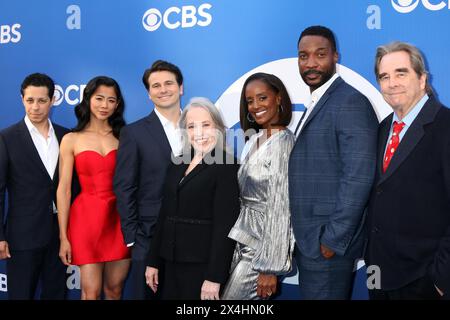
47 147
316 95
172 132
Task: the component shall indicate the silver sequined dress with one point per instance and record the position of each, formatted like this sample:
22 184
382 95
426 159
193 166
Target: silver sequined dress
263 230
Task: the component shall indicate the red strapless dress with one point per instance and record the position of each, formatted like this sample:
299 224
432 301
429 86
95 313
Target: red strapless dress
94 223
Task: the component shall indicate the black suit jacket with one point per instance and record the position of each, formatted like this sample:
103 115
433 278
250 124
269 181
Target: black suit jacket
196 217
31 191
409 209
143 157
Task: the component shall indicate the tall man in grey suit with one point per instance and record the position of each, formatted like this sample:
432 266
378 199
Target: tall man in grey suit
409 209
144 154
331 171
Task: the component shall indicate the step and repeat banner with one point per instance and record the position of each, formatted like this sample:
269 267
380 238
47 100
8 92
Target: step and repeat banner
216 44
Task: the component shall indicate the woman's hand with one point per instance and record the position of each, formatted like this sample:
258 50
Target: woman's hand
266 285
210 290
65 252
151 276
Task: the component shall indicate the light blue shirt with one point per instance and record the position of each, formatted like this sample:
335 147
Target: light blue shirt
407 120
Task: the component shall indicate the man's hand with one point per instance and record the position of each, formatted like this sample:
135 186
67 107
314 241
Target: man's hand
4 250
326 252
151 277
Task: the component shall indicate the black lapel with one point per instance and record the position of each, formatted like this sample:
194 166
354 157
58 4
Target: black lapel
322 101
29 147
59 132
198 168
412 136
156 129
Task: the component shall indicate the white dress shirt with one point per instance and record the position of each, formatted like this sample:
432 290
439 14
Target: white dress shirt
173 134
47 147
316 95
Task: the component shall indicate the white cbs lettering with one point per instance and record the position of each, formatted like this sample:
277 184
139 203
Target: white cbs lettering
10 33
176 17
74 20
3 282
407 6
202 13
166 21
188 18
434 7
67 95
73 281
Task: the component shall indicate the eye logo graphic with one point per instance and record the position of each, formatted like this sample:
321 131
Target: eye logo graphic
152 19
59 95
405 6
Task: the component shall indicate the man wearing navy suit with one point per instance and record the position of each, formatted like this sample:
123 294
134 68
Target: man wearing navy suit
409 210
29 173
331 171
144 154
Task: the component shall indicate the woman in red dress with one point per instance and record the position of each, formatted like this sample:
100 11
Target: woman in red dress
90 229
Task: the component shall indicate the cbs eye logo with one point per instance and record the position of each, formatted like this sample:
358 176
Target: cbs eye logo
152 19
406 6
72 95
174 17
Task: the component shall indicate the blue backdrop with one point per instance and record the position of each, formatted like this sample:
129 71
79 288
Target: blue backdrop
216 43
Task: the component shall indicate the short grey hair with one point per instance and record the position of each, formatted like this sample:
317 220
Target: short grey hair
206 104
415 56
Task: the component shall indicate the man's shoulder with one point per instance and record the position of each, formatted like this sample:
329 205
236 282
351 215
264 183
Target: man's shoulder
443 115
60 128
142 122
345 88
6 132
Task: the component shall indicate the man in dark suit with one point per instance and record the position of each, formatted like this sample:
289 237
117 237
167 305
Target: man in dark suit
29 173
145 150
409 210
331 171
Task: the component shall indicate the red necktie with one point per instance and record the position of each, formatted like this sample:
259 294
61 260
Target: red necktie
393 143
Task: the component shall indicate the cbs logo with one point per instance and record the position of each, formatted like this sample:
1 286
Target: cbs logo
10 33
406 6
174 17
72 95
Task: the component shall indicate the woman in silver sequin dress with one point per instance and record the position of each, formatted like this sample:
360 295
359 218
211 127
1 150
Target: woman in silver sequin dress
263 230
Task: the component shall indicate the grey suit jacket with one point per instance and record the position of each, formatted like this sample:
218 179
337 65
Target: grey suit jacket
331 171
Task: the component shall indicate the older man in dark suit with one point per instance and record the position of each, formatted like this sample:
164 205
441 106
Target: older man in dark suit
331 171
409 211
29 173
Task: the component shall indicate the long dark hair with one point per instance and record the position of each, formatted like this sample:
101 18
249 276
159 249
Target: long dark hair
83 109
278 87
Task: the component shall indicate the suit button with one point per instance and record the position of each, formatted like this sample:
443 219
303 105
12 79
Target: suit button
375 230
379 190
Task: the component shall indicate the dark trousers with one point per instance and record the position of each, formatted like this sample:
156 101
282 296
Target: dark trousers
325 279
420 289
136 278
183 281
26 267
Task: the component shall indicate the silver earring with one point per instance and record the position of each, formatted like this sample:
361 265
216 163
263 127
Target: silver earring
281 108
250 118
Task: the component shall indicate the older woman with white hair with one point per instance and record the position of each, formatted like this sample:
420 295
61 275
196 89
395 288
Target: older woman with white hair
200 205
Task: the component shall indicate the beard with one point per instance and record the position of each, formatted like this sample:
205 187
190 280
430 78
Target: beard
324 76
